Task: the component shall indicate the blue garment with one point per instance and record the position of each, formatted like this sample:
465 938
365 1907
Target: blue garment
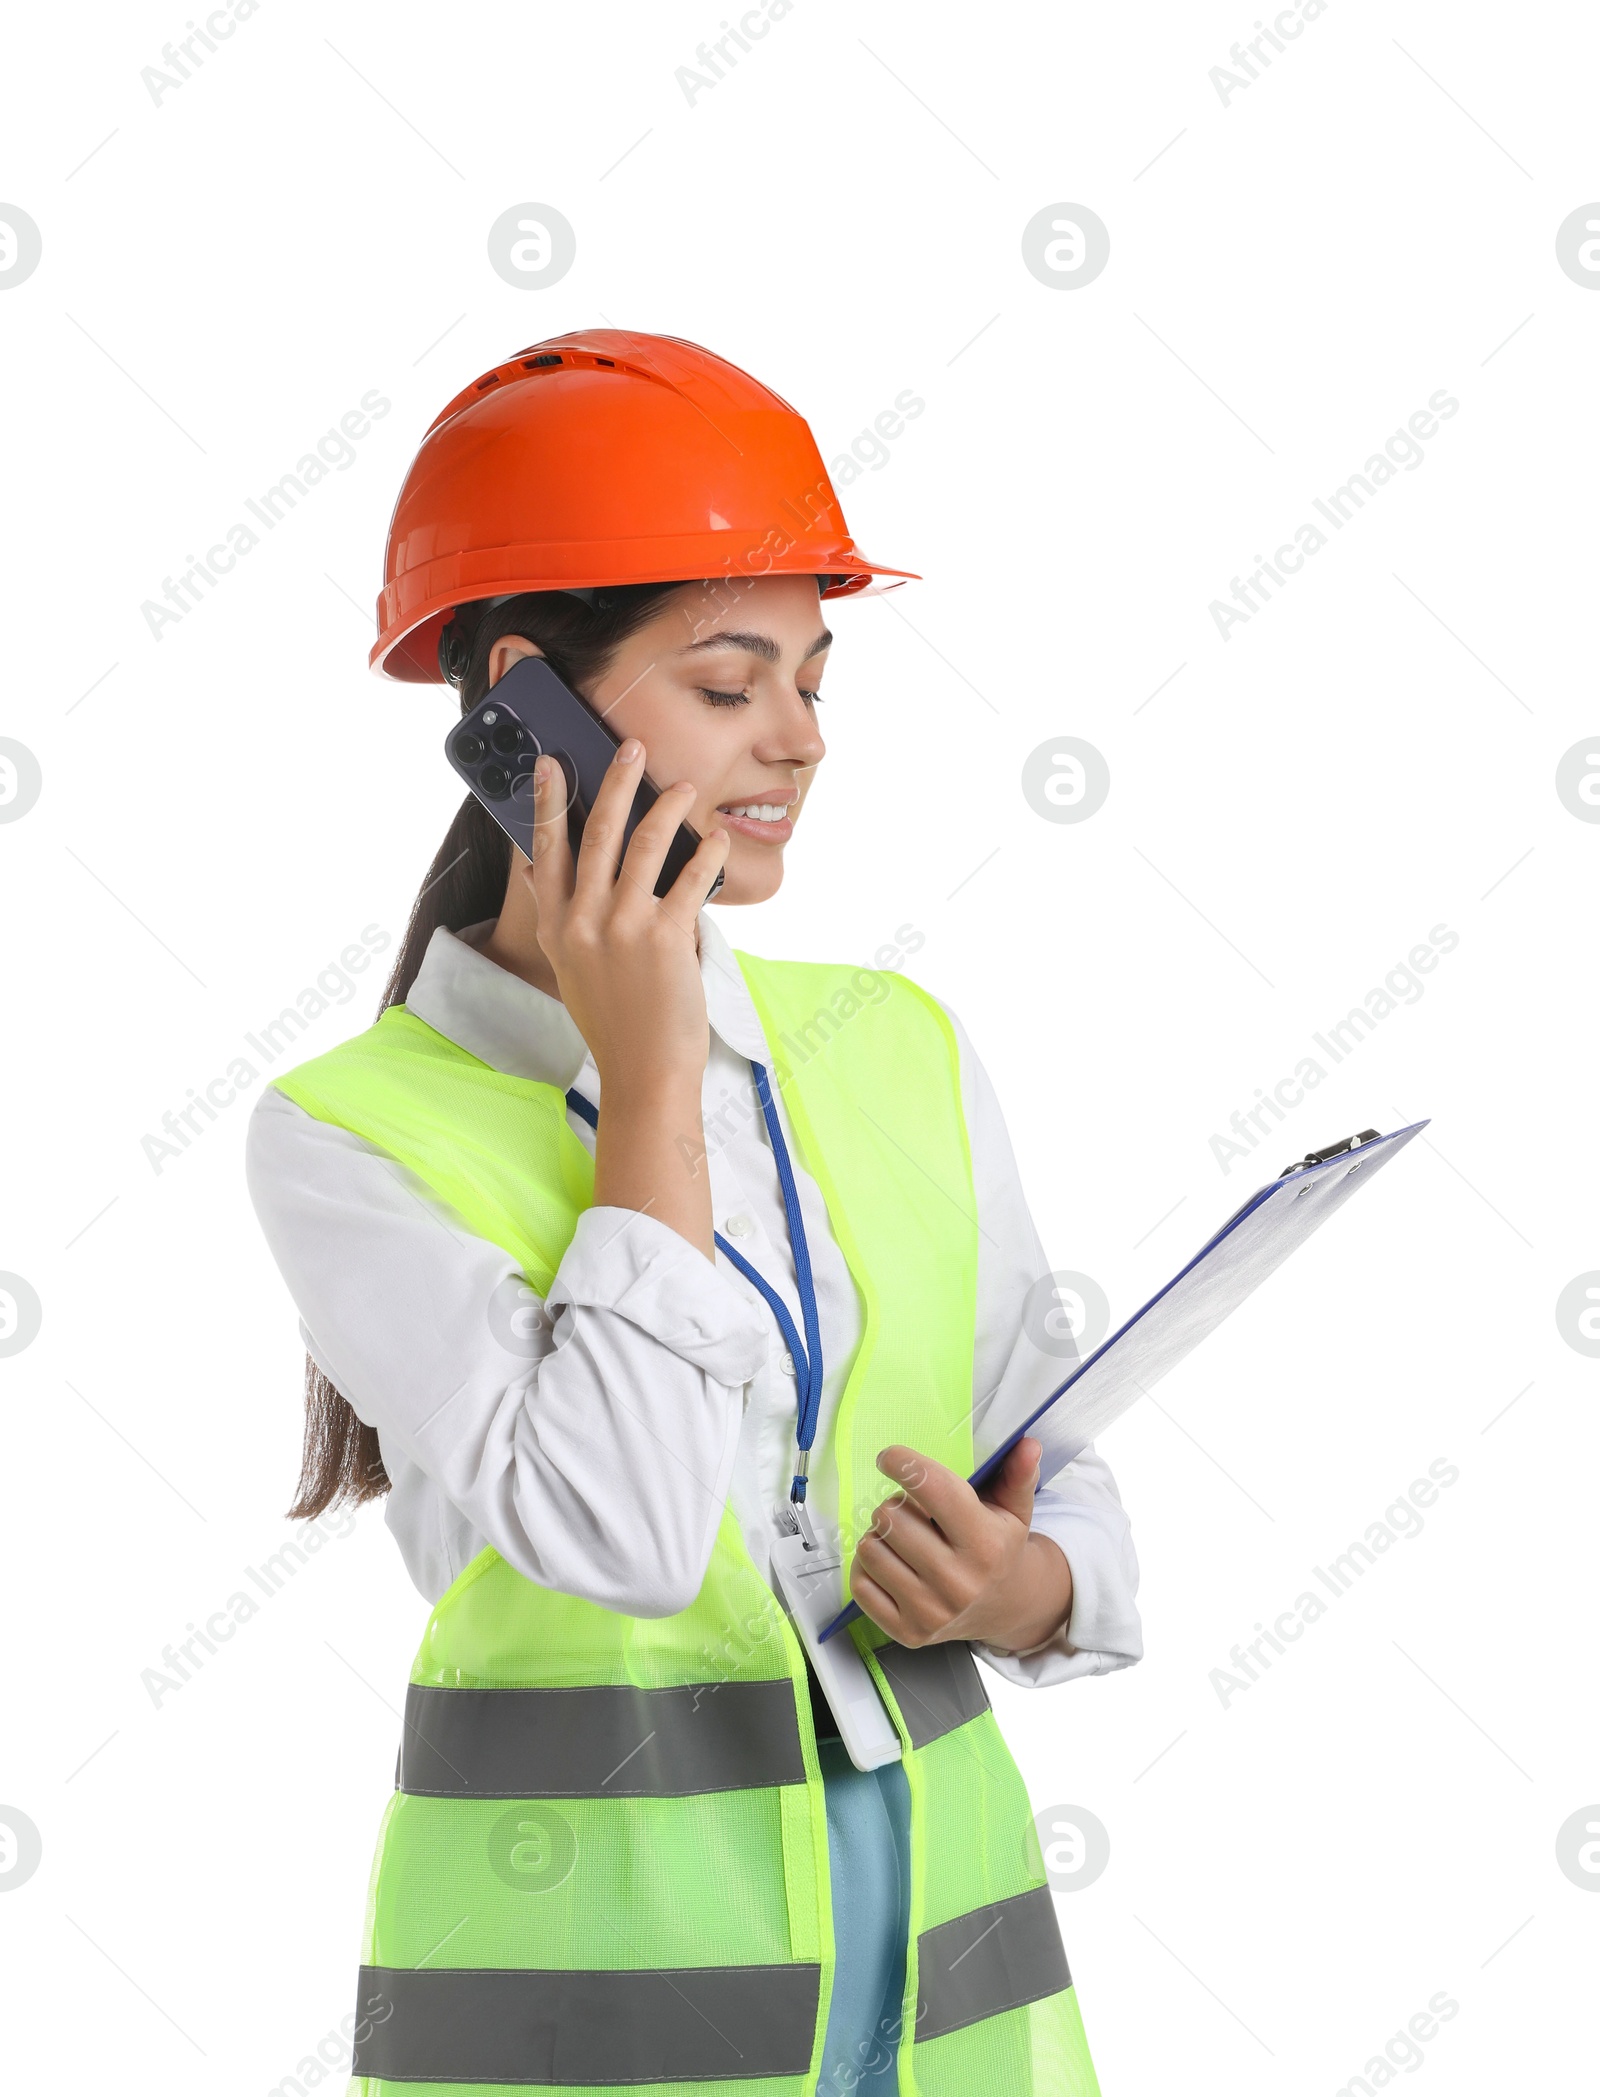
869 1869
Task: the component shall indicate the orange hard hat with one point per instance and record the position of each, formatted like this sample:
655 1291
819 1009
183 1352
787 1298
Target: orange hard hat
604 457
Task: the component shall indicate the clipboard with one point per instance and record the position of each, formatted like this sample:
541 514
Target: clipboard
1232 1264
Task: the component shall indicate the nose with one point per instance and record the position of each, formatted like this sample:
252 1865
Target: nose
791 736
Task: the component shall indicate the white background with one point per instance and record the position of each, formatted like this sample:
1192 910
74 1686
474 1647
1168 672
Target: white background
1291 1876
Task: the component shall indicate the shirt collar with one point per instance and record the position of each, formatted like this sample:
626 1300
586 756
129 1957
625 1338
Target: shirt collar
728 1003
521 1030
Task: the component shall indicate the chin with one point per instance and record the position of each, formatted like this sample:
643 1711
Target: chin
744 883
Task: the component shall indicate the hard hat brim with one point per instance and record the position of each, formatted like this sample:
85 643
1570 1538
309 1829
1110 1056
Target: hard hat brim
414 610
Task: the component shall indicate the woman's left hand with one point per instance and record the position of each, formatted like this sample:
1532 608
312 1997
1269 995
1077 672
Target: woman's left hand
939 1562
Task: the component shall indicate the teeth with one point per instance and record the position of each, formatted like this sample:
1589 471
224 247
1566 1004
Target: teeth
761 811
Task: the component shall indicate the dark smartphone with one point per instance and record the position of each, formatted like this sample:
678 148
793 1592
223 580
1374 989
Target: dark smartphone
530 713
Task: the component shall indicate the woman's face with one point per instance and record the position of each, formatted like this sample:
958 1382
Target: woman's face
720 687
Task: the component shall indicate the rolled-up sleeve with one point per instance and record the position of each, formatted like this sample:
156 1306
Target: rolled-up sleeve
589 1436
1079 1508
626 1265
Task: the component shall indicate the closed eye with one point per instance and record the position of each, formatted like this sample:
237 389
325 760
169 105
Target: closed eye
715 698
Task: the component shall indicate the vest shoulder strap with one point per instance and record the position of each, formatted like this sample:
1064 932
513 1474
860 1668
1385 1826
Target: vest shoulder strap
804 1005
496 1148
869 1069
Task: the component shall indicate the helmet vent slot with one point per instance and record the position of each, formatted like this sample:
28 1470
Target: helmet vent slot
539 363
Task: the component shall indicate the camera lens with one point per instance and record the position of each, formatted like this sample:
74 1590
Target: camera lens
506 738
495 781
468 747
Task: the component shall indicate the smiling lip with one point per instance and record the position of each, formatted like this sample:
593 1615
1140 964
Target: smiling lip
750 826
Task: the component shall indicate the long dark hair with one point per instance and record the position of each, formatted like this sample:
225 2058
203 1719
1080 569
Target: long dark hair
340 1460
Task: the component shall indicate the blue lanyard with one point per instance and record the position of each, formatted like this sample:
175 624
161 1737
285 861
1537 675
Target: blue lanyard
807 1356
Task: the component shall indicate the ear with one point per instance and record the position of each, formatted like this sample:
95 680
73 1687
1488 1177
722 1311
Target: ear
509 649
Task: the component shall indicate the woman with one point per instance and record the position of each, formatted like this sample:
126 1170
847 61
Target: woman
620 1255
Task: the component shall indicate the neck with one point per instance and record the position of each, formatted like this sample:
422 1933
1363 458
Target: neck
521 958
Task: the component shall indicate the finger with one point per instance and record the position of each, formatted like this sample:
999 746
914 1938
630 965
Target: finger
600 853
922 1601
686 898
549 872
915 1603
876 1602
1013 1486
941 1493
902 1529
653 834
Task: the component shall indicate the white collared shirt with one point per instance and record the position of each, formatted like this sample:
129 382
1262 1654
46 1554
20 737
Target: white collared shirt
593 1439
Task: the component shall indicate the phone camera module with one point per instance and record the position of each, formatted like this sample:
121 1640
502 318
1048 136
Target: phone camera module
495 781
506 738
469 748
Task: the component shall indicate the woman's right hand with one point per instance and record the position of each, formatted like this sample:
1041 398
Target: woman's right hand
627 964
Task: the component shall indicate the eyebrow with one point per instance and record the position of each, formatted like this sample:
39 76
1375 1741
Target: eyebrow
761 644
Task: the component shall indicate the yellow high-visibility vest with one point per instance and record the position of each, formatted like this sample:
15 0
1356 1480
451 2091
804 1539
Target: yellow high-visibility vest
605 1864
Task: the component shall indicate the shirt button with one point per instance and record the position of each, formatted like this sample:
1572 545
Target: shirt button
740 1226
787 1365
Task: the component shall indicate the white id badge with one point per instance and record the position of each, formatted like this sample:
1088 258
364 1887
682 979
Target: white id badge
810 1583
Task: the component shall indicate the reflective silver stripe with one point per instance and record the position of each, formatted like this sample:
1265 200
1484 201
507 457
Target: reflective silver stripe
937 1687
511 2025
611 1742
993 1959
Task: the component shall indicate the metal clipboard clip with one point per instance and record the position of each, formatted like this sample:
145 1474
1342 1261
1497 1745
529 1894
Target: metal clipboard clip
1321 1157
